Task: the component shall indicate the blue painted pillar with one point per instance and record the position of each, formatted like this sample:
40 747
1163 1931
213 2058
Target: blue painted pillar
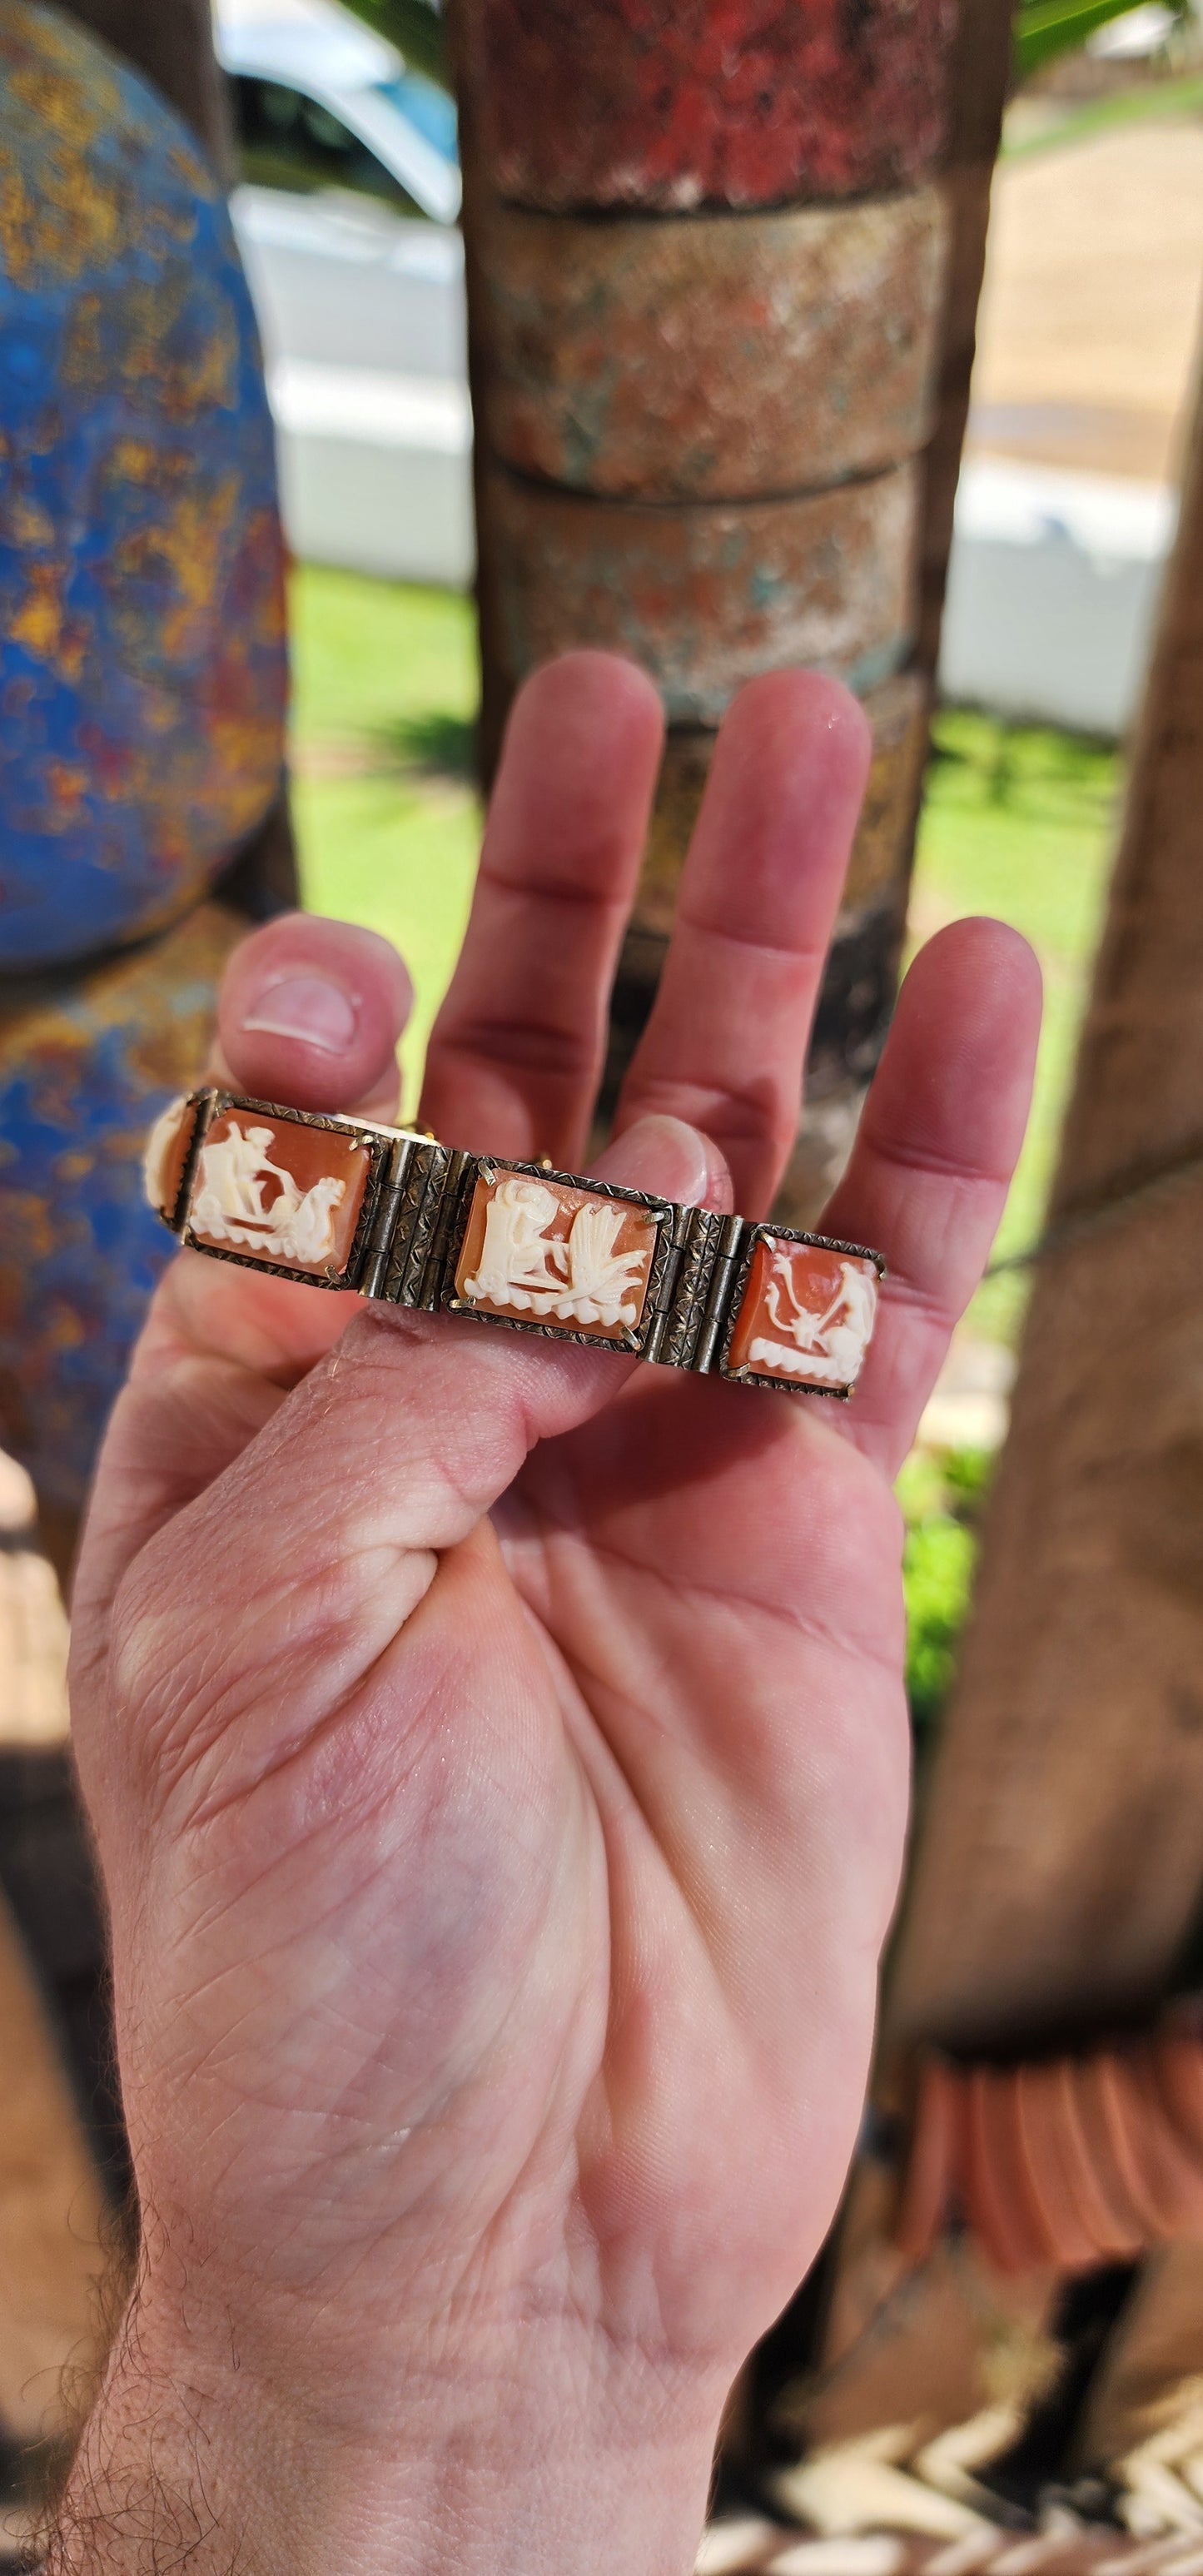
143 683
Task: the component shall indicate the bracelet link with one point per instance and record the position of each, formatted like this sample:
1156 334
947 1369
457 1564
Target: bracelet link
428 1192
455 1187
734 1233
374 1264
706 1255
676 1328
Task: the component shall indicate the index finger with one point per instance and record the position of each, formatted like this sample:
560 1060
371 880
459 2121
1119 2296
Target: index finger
516 1051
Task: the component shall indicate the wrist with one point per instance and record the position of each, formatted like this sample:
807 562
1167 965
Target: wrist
557 2460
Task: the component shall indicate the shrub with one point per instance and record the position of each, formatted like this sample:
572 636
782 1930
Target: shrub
941 1499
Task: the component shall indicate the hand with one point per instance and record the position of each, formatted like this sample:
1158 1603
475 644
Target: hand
498 1756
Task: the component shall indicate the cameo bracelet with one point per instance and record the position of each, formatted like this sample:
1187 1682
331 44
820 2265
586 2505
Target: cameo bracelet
338 1202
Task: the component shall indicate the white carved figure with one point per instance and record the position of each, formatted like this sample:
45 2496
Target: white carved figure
582 1280
600 1276
158 1146
515 1257
298 1227
310 1232
826 1348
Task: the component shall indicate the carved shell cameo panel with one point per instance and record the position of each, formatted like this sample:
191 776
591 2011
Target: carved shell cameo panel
278 1192
805 1316
541 1252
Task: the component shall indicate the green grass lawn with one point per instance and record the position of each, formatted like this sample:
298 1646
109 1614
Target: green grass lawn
1016 822
384 689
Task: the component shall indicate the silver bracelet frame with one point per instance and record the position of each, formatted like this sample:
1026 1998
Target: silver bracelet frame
677 1297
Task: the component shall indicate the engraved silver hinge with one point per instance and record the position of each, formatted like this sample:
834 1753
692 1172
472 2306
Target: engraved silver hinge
695 1294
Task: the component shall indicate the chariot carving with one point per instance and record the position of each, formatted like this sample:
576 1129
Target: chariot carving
827 1348
296 1227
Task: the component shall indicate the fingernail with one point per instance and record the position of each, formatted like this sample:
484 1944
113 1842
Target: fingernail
663 1154
305 1006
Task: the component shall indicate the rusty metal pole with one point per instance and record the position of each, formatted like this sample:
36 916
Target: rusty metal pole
712 338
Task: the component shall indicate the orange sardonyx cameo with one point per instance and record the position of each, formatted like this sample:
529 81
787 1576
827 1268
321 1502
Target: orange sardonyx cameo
278 1191
541 1252
805 1316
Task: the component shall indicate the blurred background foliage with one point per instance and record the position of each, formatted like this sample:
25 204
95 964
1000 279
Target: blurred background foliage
415 27
942 1500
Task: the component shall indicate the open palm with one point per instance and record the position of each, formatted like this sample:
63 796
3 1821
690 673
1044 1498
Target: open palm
498 1753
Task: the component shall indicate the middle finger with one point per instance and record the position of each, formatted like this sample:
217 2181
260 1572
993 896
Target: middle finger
725 1044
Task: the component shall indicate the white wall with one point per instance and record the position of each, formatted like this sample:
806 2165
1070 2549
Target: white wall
1052 593
376 470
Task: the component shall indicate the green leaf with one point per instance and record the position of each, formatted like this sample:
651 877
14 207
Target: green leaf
414 27
1044 28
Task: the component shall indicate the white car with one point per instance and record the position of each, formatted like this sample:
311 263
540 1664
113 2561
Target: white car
346 218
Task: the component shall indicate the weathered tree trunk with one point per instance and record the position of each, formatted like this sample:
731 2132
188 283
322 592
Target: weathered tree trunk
1156 2350
720 428
1062 1863
1060 1870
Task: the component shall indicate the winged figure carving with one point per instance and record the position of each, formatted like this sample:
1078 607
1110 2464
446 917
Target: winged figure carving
577 1279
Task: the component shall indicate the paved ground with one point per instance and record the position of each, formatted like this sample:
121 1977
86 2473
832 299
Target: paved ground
1092 301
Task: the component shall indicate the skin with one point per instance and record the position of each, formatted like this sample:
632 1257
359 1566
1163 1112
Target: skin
497 1753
